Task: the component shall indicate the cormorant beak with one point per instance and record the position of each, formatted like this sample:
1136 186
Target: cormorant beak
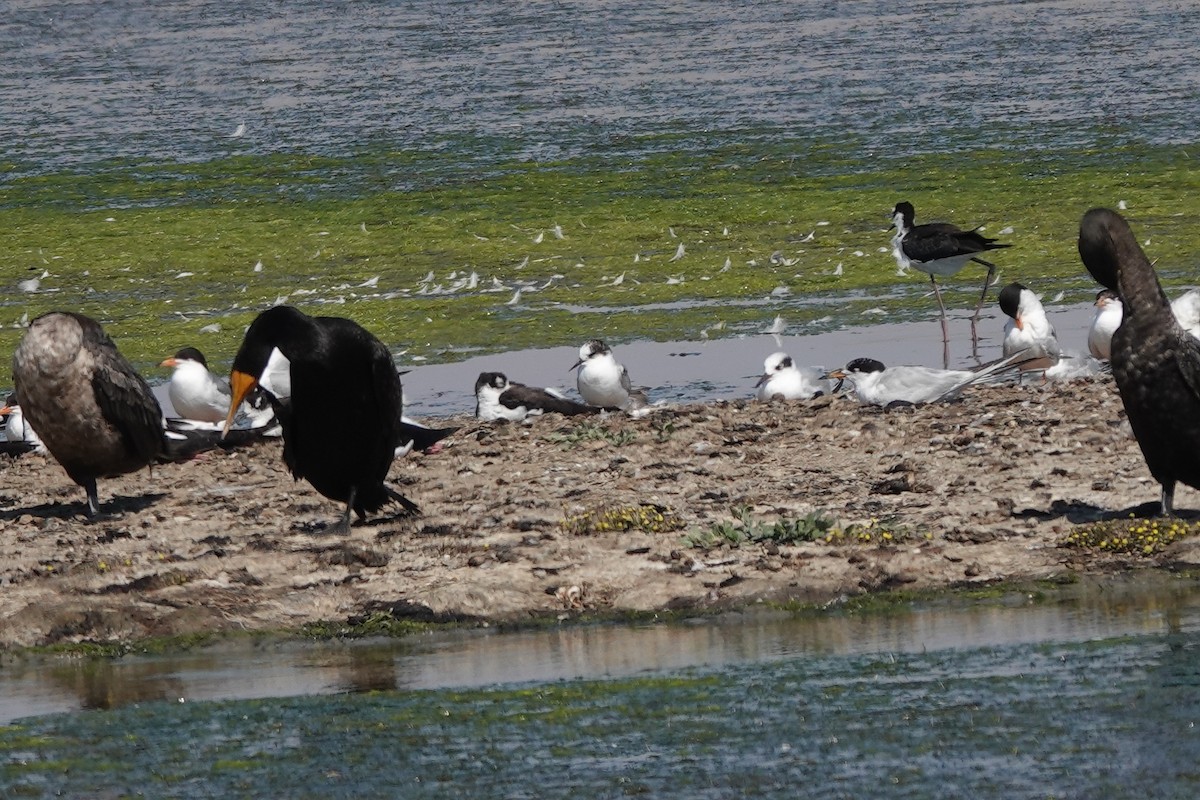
240 385
169 362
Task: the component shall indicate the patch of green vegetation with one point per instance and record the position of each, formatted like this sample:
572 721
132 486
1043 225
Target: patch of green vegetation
812 527
158 251
592 431
116 649
375 624
647 517
1136 537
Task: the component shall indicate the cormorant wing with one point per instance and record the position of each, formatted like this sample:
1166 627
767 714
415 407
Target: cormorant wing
124 397
1186 349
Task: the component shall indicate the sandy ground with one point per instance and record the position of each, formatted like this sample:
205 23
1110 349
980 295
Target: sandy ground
977 490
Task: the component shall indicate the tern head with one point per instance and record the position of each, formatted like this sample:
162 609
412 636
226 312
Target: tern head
494 380
591 349
1106 297
859 366
1010 301
773 365
186 354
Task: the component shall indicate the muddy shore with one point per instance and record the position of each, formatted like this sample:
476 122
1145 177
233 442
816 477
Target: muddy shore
514 522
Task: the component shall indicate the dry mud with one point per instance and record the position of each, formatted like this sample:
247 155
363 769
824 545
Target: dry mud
977 490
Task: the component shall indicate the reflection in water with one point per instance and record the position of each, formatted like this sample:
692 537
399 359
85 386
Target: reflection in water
484 658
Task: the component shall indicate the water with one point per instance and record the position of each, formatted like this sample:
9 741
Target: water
1090 694
1087 700
85 82
727 368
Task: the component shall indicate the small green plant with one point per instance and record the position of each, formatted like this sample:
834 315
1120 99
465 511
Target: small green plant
647 517
874 531
816 526
1138 537
744 530
664 430
592 432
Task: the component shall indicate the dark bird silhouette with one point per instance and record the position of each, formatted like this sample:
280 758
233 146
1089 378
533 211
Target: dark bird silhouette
1155 362
496 397
939 248
415 436
95 414
331 363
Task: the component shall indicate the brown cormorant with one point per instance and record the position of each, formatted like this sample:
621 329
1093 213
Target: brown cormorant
94 413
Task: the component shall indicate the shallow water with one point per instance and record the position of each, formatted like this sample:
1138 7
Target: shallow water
727 368
1079 695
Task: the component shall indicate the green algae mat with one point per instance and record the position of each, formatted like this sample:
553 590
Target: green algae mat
442 258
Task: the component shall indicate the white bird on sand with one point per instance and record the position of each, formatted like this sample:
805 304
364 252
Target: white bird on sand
879 385
602 381
17 430
1110 310
782 378
1105 322
196 393
1028 329
498 398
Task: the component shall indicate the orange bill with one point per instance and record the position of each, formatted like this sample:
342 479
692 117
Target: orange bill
240 384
